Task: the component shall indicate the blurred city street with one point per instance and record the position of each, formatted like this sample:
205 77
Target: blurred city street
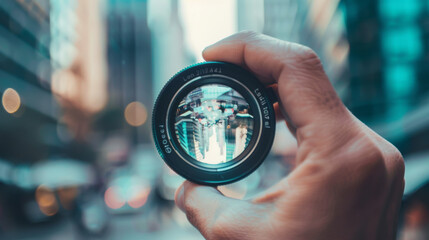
79 78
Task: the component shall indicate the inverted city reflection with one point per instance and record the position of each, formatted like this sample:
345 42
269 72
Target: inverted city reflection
214 124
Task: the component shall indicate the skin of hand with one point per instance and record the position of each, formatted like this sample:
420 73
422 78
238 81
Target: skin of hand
348 181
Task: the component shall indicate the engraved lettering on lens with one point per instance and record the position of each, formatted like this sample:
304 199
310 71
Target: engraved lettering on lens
260 97
167 148
214 123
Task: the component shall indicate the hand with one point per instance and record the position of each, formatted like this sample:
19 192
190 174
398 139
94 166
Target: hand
348 181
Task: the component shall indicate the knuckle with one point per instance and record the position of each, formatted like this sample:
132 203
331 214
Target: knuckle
219 231
364 154
191 212
400 165
395 159
195 218
376 155
220 228
305 59
308 52
192 219
384 151
374 152
309 56
190 209
248 33
233 224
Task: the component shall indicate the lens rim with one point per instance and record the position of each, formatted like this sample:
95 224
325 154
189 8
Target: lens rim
240 80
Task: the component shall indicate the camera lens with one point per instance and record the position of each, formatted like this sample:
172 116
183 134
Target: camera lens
213 123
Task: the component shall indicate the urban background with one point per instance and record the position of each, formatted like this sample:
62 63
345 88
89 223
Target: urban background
78 80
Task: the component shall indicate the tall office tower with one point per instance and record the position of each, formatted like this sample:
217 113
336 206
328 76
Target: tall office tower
281 19
188 136
129 51
78 60
250 15
27 105
24 53
169 51
388 66
363 26
318 24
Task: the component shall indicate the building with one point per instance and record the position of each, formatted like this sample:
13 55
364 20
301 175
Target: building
388 59
129 53
317 24
25 69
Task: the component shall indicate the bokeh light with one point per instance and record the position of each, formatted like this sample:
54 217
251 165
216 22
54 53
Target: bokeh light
140 198
135 114
45 198
67 195
112 198
11 100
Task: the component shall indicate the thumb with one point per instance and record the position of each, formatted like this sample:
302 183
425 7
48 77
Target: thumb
213 214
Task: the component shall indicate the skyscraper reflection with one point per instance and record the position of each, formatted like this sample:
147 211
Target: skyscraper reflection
214 124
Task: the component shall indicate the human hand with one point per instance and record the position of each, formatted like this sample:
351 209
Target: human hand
348 181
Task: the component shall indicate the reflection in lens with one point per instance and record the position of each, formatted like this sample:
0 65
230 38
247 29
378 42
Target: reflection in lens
214 124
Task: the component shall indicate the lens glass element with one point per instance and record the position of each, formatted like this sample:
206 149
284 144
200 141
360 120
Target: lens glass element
214 123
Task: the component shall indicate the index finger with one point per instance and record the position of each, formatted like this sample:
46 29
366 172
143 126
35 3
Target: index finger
265 56
304 89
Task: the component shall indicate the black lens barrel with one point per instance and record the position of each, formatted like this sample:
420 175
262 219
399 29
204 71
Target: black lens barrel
235 77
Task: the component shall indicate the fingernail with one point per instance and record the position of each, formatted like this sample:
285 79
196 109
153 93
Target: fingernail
209 47
204 51
180 198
